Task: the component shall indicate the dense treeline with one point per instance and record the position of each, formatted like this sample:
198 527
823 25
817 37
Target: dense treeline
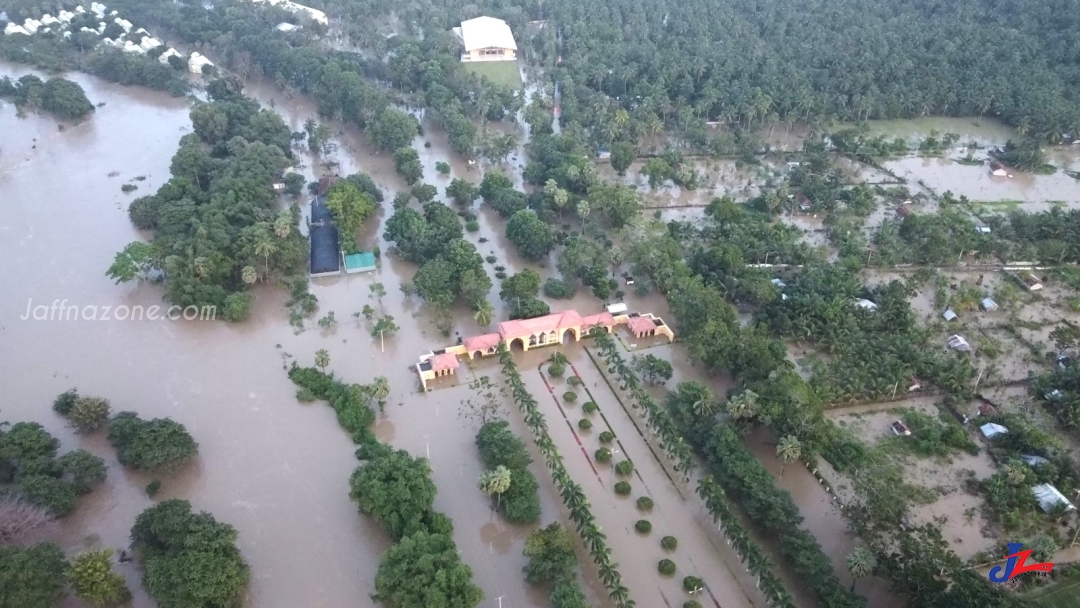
216 226
423 567
426 70
631 68
64 98
499 447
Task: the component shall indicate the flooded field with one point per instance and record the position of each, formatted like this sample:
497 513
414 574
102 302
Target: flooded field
978 184
958 512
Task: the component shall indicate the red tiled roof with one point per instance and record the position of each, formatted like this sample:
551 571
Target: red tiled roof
443 362
603 319
553 322
640 325
484 342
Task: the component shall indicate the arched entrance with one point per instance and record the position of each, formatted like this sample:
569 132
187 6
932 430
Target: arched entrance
569 336
517 344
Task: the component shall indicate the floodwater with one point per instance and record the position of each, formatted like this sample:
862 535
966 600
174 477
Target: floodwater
985 131
976 182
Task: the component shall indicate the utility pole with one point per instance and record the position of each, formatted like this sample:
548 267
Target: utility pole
977 381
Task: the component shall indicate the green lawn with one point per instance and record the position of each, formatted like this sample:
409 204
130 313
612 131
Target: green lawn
504 73
1063 594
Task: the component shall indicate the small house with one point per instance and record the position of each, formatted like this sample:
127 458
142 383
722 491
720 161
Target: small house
949 315
15 29
197 62
286 27
988 305
603 154
803 202
1051 499
900 429
1063 361
991 430
982 229
363 261
486 39
1032 282
998 170
958 343
778 283
865 304
164 57
1053 395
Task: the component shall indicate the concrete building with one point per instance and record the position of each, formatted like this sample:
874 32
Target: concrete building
98 9
286 27
526 334
124 23
164 57
149 42
487 39
15 29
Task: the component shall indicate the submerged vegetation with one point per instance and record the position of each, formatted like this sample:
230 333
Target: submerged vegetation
62 98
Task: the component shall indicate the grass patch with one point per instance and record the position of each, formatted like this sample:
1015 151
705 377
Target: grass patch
503 73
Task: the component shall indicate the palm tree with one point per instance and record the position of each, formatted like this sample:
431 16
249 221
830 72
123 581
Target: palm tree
788 450
249 275
322 359
704 407
265 247
283 225
558 357
495 482
485 313
743 407
380 389
860 563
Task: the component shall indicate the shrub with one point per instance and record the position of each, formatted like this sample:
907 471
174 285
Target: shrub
590 407
624 468
603 455
65 401
560 290
570 396
645 503
54 494
305 395
491 259
442 167
154 445
556 369
499 275
500 268
669 543
472 225
692 584
584 424
666 567
93 580
643 525
153 487
88 414
82 469
622 488
607 437
574 381
691 604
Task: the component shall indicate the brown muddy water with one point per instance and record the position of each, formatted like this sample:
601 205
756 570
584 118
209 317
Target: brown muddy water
275 469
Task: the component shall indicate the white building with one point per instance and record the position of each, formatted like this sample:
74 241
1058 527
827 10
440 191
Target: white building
131 47
487 39
65 16
48 19
98 9
31 25
149 42
196 63
164 57
312 13
124 23
1050 498
286 27
15 29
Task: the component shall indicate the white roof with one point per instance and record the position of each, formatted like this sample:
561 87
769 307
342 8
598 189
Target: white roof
487 32
991 429
1049 498
616 308
286 27
949 315
864 303
15 29
987 303
959 343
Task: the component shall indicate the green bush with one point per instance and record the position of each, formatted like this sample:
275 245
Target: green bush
491 259
472 226
607 437
643 525
590 407
153 487
556 369
569 396
559 290
305 395
603 455
442 167
65 401
152 445
624 468
666 567
623 488
574 381
645 503
669 543
692 584
691 604
584 424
